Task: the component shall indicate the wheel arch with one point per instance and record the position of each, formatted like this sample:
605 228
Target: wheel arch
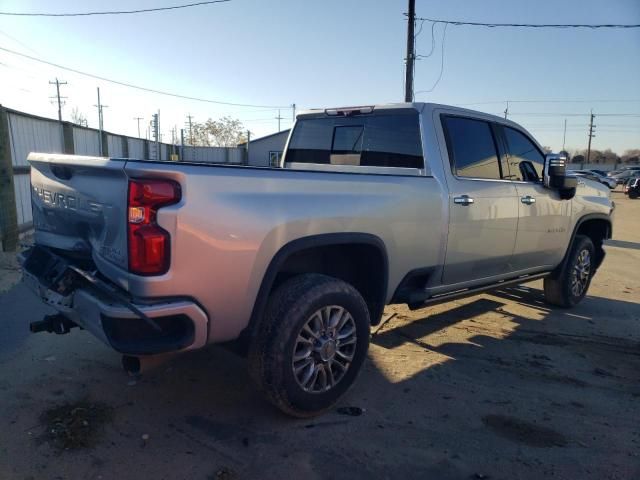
320 252
596 226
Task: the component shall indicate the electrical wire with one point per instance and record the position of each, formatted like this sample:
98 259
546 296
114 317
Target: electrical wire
544 101
444 36
137 87
115 12
530 25
553 114
433 42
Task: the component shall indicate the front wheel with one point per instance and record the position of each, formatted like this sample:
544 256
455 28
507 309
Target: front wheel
569 286
633 194
310 345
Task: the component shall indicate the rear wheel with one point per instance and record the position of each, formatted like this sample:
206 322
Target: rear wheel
569 286
310 345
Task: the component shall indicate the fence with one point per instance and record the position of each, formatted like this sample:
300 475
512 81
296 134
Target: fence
22 133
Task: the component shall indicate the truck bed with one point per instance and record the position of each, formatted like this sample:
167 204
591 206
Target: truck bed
229 224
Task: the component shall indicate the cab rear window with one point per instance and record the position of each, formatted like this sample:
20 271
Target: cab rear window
383 140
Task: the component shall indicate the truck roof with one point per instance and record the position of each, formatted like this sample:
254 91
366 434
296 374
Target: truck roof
419 106
424 108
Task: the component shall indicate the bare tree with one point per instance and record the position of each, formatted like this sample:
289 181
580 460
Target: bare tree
79 118
225 132
631 156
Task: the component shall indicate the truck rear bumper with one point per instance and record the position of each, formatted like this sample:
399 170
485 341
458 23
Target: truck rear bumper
183 324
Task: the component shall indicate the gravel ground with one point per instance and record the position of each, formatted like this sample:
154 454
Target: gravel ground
494 386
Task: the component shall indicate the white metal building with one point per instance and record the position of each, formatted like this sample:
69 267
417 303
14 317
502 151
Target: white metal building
267 151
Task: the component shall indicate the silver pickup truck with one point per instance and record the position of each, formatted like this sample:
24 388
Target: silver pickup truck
405 203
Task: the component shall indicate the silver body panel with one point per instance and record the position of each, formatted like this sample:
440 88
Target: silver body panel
232 221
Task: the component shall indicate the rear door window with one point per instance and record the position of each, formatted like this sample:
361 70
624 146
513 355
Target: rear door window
472 148
383 140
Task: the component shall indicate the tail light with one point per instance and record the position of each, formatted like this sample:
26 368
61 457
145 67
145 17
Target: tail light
149 244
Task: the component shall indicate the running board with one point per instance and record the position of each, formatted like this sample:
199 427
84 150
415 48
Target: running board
467 292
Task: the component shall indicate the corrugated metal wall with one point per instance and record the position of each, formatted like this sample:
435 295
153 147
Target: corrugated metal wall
86 141
213 155
28 134
136 148
114 145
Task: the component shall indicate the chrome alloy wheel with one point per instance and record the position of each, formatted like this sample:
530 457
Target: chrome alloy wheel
581 272
324 349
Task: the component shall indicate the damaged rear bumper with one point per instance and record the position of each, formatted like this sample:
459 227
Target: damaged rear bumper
130 326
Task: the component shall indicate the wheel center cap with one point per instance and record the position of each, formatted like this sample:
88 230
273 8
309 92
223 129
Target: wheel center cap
328 350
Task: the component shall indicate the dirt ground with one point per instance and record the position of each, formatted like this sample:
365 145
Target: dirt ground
495 386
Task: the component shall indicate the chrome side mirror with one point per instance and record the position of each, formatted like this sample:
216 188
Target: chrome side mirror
555 175
555 169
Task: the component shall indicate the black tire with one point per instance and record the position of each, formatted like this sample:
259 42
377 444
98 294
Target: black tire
633 194
559 288
271 352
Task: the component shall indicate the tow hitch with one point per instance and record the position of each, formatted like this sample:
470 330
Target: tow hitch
56 323
56 274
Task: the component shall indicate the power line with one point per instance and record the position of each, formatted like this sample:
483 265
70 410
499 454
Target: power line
137 87
115 12
444 36
530 25
545 101
549 114
433 41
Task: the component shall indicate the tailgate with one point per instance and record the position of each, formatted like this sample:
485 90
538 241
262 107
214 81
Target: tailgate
79 205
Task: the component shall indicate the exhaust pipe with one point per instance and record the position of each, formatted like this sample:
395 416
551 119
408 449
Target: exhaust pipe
138 365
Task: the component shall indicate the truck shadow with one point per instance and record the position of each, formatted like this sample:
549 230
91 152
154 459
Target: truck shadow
623 244
502 372
493 385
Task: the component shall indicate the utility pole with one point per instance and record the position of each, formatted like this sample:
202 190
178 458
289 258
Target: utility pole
138 120
155 126
100 122
293 112
189 118
564 135
278 118
181 159
591 135
248 141
408 81
506 110
57 83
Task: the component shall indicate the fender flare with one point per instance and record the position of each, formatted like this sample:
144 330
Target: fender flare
313 241
581 220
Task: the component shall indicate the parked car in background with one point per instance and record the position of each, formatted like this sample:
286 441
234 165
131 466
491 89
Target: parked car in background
632 187
623 176
622 170
596 177
599 172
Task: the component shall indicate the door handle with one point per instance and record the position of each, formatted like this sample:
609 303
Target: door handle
528 200
465 200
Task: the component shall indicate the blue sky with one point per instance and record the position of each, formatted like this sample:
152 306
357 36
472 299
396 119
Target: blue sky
331 53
